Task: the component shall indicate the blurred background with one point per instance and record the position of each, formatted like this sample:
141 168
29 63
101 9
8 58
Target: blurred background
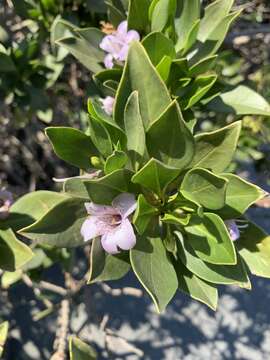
42 85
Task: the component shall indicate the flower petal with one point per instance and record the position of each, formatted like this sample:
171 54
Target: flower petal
233 229
108 104
123 53
100 210
108 61
132 35
109 245
122 27
122 236
94 226
125 203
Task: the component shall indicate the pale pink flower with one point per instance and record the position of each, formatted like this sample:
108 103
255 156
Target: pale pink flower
6 200
111 223
108 104
233 229
117 44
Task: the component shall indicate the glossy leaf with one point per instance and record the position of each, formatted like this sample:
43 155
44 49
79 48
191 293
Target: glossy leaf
241 101
164 67
215 39
169 140
100 137
140 75
240 195
210 239
155 176
196 90
106 267
75 187
162 12
154 270
134 129
30 208
215 150
203 66
213 16
189 14
143 214
116 161
195 287
72 146
204 188
13 253
138 15
86 48
103 190
79 350
157 45
217 274
254 247
60 226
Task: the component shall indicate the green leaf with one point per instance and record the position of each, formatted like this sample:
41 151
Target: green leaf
164 67
106 267
134 129
254 247
143 214
138 15
104 79
217 274
115 15
215 150
196 90
6 64
169 140
192 36
140 75
204 188
154 270
189 14
30 208
96 111
3 335
213 16
162 13
79 350
100 137
157 45
13 253
75 187
240 195
195 287
72 146
215 39
86 48
60 226
104 190
203 66
211 240
240 101
155 176
181 219
116 161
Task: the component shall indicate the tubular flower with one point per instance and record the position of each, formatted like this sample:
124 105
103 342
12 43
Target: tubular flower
107 104
6 200
117 44
111 223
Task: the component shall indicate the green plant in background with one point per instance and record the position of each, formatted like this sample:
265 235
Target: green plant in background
29 68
